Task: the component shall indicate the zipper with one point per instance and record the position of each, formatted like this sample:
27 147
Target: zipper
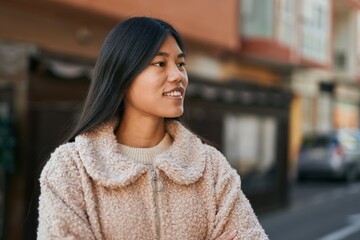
157 186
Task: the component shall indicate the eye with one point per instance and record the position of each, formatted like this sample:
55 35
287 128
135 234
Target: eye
181 64
159 64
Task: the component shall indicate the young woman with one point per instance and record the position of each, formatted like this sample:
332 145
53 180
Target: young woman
130 170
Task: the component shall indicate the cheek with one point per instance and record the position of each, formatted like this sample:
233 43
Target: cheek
143 94
145 85
186 82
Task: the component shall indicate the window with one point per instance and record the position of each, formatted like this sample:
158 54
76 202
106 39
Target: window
287 22
315 29
257 18
357 39
324 114
250 147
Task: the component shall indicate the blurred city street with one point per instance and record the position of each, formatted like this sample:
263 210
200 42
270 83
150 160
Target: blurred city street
318 211
274 85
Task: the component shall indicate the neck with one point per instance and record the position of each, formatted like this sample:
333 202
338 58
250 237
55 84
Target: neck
140 132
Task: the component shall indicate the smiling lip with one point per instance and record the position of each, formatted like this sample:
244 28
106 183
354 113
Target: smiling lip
175 93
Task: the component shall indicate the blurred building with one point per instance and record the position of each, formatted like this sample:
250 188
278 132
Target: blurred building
346 90
261 74
329 97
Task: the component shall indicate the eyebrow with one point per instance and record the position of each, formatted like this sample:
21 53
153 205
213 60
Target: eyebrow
165 54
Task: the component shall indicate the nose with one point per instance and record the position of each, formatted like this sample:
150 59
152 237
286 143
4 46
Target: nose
176 75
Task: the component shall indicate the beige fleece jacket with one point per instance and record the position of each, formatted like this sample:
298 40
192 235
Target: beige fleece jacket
89 190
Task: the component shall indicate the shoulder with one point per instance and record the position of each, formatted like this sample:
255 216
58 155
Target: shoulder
219 164
61 165
216 157
212 151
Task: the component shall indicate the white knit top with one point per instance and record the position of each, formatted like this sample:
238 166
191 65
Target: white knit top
146 155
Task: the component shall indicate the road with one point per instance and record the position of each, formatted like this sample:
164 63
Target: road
319 211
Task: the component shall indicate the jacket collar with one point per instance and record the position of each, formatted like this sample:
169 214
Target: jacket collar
183 162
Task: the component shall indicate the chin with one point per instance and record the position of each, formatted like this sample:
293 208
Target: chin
174 114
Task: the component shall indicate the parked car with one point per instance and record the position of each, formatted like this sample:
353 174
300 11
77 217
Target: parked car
335 155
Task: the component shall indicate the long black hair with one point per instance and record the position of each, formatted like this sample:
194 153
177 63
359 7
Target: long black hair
127 50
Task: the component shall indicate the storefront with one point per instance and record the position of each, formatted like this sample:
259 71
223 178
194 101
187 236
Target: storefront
346 106
246 118
7 147
249 124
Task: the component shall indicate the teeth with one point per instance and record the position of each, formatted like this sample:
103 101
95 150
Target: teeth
173 94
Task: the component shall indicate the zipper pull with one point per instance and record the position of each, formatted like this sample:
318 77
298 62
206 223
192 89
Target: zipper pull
156 183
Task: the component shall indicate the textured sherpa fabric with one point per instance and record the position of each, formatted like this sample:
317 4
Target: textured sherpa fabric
89 190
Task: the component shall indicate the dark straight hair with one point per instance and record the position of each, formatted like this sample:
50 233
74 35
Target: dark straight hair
127 50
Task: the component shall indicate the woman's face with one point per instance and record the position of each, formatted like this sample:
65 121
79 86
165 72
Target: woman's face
159 90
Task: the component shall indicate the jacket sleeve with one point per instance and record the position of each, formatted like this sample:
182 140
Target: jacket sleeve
233 210
62 212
